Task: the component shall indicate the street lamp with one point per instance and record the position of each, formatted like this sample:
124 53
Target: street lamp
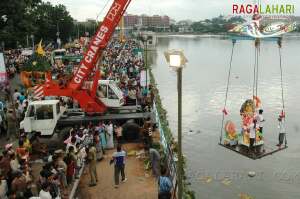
58 33
145 42
32 39
3 45
4 19
78 31
177 61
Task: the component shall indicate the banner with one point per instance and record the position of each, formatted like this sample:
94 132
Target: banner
27 52
3 74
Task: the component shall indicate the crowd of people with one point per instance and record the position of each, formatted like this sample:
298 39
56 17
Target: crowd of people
122 63
16 172
85 144
14 59
13 114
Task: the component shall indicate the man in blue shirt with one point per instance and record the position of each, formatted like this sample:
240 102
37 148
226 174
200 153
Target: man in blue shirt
165 185
119 162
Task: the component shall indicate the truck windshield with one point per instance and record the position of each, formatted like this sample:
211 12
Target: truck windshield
111 94
59 53
30 112
44 112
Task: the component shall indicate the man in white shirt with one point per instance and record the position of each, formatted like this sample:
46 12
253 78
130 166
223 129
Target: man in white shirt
110 135
252 135
281 131
73 144
14 164
260 120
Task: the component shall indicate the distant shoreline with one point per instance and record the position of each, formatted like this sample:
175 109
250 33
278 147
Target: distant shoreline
176 34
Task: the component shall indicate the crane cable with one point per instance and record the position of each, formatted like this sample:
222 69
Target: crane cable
227 89
279 42
257 47
256 67
255 74
102 9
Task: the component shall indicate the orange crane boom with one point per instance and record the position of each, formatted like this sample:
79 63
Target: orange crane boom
86 98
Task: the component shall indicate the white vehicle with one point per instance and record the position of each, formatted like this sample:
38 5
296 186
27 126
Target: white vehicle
57 55
110 94
42 116
47 116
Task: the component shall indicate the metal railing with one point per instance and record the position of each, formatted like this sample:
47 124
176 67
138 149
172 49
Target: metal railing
170 158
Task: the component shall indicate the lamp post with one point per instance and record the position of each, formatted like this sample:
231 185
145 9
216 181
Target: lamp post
4 19
32 39
3 45
58 33
145 42
177 61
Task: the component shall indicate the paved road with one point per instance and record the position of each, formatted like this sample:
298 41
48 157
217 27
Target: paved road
137 186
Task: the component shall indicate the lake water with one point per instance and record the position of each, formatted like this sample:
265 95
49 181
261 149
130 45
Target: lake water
204 86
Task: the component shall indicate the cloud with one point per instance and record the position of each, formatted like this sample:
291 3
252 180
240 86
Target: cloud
176 9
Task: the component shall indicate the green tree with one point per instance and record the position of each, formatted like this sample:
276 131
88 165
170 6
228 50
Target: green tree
16 21
52 19
21 18
216 25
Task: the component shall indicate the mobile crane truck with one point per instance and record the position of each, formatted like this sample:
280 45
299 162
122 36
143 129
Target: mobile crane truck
48 117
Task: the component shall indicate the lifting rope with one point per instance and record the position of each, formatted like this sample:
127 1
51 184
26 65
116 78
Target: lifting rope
279 42
227 89
102 9
255 72
257 54
255 81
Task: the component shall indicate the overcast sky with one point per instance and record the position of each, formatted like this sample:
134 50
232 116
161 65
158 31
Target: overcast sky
176 9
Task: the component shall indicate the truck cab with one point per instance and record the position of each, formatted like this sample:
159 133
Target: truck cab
110 94
42 116
107 92
57 55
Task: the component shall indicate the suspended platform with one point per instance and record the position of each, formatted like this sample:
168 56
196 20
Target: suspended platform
245 37
259 151
251 112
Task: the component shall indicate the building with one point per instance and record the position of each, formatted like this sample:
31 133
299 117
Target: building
185 26
131 21
145 21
